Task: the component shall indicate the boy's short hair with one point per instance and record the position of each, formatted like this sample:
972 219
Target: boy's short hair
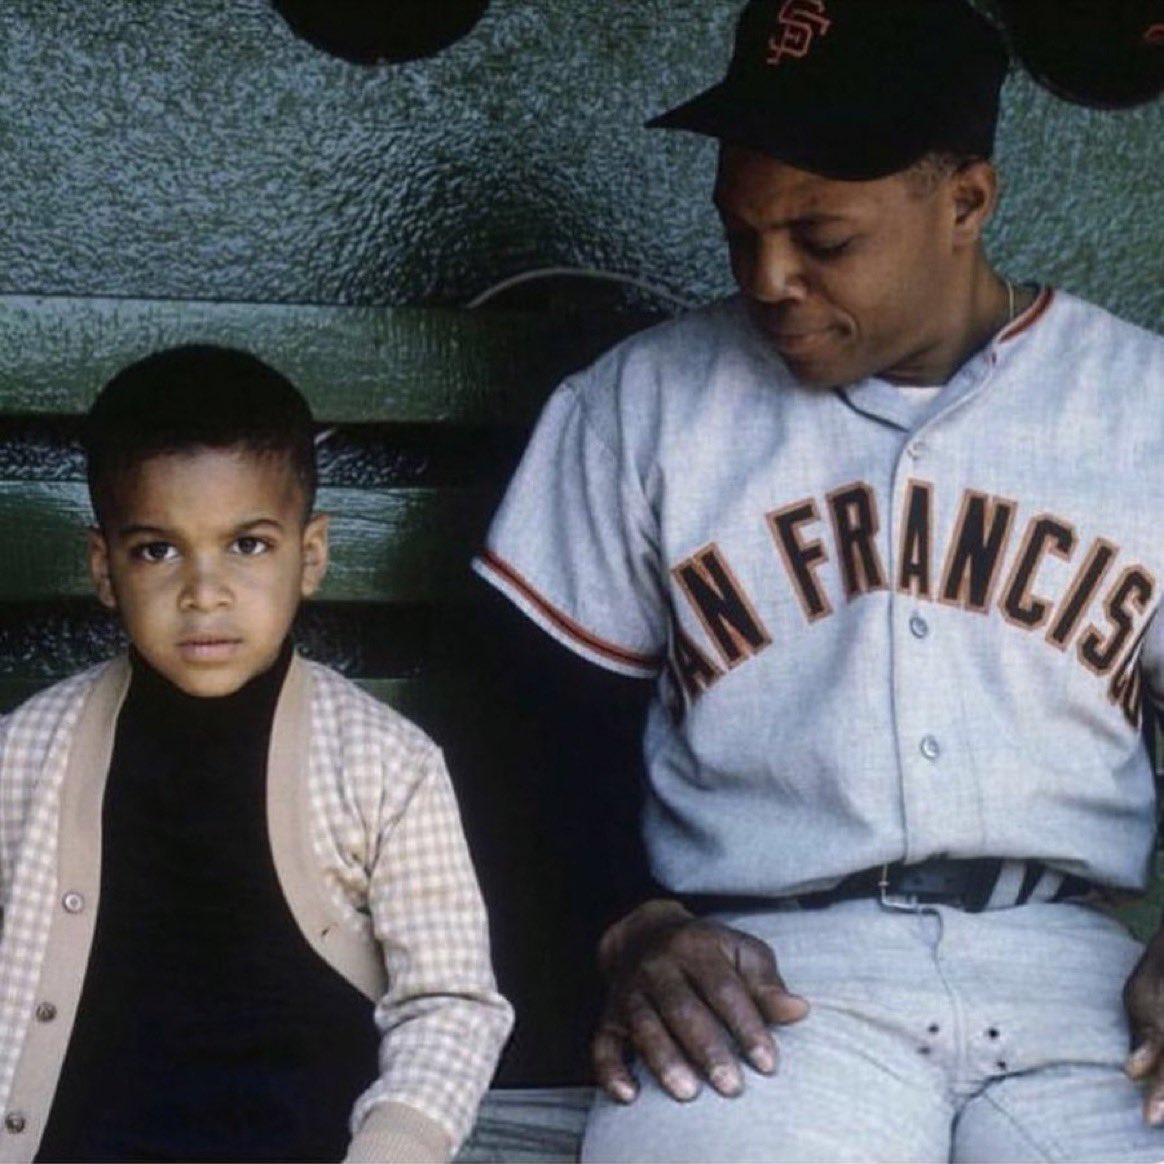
190 397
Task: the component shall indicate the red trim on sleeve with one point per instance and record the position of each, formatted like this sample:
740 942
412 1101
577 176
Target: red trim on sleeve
1029 317
563 621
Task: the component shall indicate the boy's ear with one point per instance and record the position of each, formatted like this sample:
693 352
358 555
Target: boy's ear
315 554
98 551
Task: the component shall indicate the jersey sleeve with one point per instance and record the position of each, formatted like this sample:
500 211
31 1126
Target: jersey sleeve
574 544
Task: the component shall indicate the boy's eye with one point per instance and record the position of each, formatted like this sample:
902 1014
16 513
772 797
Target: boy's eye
250 547
154 552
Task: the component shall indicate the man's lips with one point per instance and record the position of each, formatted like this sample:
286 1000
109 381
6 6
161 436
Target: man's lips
794 338
799 341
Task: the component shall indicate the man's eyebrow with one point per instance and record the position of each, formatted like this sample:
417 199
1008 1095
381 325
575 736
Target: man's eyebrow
818 218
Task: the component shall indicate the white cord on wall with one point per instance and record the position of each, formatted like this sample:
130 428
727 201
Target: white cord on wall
555 273
578 273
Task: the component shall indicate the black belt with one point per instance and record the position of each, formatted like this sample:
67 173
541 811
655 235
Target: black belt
967 884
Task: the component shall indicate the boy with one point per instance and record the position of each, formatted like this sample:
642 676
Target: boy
215 856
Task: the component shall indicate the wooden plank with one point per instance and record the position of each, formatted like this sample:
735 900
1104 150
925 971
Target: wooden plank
354 364
399 545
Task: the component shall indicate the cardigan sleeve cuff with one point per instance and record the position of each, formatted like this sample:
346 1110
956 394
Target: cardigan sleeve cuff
394 1133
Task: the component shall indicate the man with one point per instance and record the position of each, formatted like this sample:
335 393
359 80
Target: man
882 530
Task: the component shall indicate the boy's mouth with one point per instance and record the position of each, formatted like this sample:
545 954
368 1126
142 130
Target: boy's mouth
208 648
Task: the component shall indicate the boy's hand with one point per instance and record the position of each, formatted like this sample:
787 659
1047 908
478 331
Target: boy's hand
682 992
1144 1002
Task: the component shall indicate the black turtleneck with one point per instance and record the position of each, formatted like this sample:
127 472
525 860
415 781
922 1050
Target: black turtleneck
208 1029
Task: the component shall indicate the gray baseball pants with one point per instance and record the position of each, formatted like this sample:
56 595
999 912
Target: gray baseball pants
933 1036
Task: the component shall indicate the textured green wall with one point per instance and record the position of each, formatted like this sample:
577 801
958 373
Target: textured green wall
198 149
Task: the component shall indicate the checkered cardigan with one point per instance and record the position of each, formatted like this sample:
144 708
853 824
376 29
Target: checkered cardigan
369 851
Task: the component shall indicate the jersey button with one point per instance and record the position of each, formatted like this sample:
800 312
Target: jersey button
45 1012
918 626
915 449
930 748
73 902
15 1122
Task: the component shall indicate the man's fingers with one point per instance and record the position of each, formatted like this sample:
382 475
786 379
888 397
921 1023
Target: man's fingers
1154 1096
696 996
730 994
1143 1058
696 1015
779 1005
1146 1063
729 1005
1144 1002
757 967
656 1047
608 1057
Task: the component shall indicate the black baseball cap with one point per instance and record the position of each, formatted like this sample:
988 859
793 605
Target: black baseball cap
855 89
1108 55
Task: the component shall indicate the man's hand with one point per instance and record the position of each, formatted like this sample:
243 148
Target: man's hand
1144 1002
681 992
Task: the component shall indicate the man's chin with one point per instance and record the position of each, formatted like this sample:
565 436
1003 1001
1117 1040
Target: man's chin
812 359
816 376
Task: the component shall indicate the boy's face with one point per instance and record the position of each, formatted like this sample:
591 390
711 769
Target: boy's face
205 555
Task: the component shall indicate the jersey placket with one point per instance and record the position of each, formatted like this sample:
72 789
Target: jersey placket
939 797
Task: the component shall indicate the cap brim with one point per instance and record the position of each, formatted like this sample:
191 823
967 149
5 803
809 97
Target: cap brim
836 144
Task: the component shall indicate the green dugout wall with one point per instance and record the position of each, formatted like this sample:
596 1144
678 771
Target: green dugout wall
191 169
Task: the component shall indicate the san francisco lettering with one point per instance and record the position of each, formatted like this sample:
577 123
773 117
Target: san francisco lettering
989 565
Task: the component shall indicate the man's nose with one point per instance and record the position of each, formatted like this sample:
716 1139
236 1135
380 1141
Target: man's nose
776 273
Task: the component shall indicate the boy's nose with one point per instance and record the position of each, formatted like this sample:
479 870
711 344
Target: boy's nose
203 588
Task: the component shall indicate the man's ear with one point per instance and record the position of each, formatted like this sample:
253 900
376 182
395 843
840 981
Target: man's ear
315 554
98 553
974 191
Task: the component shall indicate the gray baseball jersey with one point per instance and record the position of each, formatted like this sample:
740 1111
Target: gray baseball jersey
878 631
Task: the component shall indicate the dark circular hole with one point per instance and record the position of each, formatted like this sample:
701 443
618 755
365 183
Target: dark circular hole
368 32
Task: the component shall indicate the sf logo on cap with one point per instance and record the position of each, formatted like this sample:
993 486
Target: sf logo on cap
800 21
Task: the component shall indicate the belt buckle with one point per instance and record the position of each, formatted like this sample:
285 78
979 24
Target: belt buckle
904 903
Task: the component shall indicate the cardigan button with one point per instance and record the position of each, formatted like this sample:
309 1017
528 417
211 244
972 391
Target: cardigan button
73 902
45 1012
15 1122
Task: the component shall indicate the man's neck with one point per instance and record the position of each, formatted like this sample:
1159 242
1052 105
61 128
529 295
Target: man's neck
992 305
983 309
